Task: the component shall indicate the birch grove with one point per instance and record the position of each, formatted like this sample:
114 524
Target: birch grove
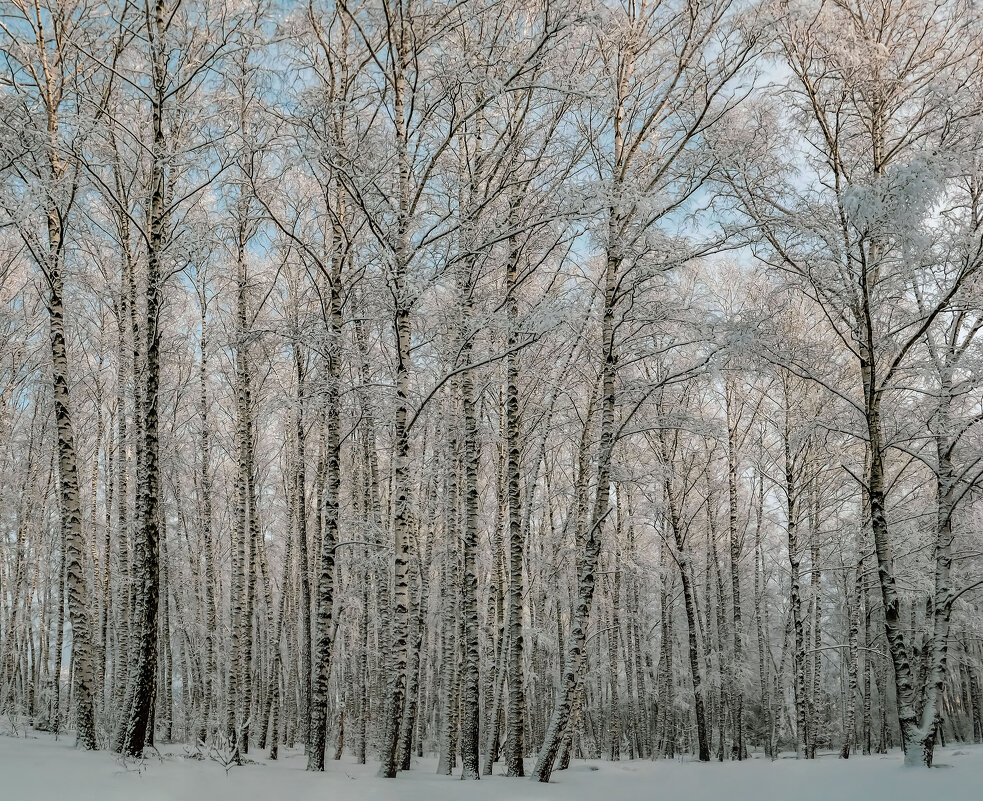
500 381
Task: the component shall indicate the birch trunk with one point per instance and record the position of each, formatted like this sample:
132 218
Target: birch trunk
402 501
141 683
922 740
849 735
736 679
795 593
205 527
304 628
445 763
592 540
69 501
893 626
516 712
331 512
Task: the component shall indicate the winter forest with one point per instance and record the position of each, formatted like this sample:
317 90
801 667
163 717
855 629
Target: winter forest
483 386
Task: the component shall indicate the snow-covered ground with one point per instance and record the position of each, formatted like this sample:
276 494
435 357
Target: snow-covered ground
37 768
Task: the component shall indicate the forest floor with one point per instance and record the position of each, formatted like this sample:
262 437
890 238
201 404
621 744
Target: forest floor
36 767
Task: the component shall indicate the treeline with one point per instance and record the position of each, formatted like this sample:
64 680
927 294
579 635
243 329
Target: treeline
492 379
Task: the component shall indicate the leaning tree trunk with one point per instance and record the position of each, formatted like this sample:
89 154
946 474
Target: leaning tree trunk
416 657
943 596
69 504
689 604
592 540
497 645
893 626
